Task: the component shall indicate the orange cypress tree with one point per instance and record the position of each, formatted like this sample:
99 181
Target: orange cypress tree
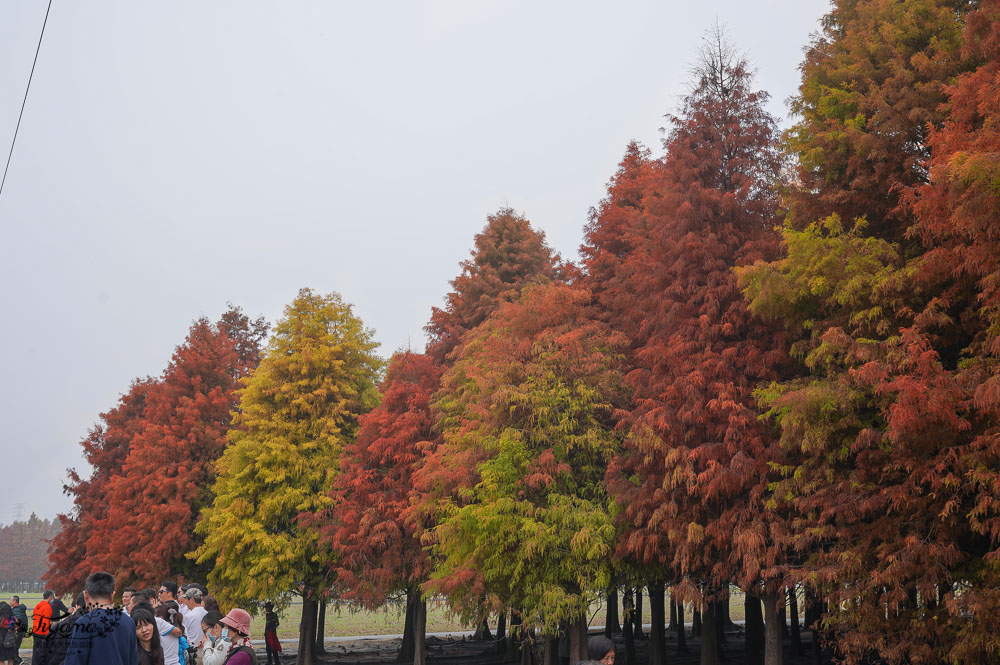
692 481
164 481
105 448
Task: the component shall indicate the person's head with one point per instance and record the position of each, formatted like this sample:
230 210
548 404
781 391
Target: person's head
99 588
138 598
191 597
5 610
79 602
210 603
210 623
602 649
15 600
237 621
269 606
170 612
48 595
168 591
127 595
150 594
146 633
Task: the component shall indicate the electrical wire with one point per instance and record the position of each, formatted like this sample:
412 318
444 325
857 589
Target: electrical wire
25 100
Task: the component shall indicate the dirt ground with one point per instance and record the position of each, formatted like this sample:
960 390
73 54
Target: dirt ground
464 651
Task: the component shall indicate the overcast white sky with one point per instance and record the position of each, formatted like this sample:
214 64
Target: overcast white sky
178 155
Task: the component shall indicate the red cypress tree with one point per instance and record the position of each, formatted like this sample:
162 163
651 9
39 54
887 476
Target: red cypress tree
154 502
378 551
695 444
105 448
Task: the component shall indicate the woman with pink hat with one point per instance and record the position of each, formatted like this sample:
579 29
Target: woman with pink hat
235 629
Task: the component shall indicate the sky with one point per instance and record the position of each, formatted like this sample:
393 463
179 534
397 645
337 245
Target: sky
176 156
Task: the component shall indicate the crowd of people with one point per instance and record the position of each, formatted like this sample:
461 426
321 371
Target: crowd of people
172 625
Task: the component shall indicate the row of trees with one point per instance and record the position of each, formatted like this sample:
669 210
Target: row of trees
775 366
23 545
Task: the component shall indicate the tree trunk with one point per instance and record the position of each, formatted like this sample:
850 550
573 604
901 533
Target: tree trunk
320 648
793 608
483 630
501 637
710 648
753 647
721 612
638 613
515 638
577 630
682 645
774 653
419 631
405 653
695 622
612 623
673 613
781 600
628 627
307 632
657 638
727 620
551 655
813 614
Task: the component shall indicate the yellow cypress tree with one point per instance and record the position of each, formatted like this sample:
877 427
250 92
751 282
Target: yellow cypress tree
300 407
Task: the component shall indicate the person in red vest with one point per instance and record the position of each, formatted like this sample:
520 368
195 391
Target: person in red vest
41 622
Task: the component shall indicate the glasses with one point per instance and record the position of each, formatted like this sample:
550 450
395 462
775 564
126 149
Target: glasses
163 591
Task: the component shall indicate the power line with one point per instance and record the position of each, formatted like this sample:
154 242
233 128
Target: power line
25 100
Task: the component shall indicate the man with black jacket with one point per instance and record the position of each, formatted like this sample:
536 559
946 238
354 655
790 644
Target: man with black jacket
58 640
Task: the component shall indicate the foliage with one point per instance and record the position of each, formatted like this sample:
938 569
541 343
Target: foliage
691 481
164 481
297 411
873 81
534 390
105 449
507 253
377 551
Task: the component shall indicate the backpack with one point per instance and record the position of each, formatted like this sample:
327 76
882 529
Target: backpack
249 650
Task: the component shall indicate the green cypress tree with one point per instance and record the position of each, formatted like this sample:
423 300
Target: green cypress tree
297 411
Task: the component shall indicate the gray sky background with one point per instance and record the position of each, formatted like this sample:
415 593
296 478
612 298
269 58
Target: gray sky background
178 155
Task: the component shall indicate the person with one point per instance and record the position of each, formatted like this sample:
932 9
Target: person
150 595
171 630
147 637
271 642
41 622
138 598
59 609
601 649
191 599
236 628
21 615
212 649
168 591
127 597
210 603
8 627
57 643
104 635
